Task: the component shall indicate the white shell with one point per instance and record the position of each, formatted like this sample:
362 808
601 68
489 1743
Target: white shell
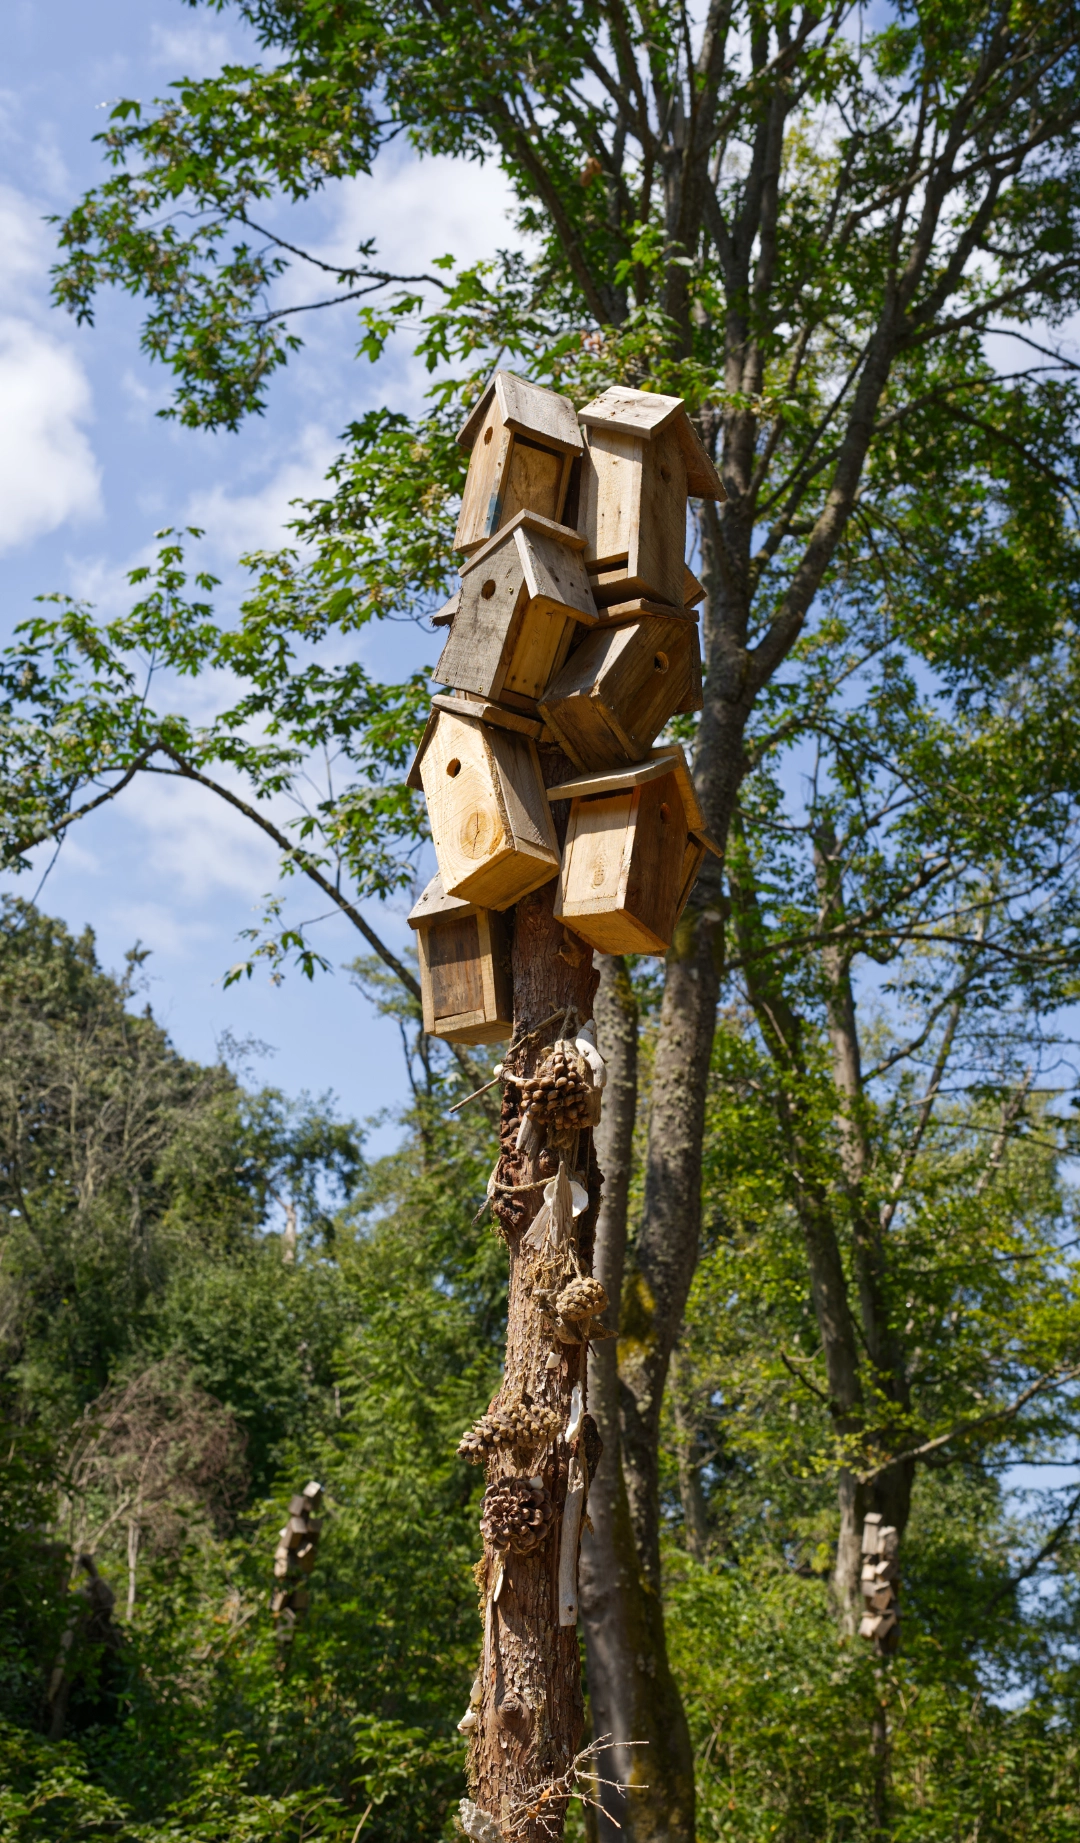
588 1032
468 1722
577 1414
477 1824
528 1136
590 1054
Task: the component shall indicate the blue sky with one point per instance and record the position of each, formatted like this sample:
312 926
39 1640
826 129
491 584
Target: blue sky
88 472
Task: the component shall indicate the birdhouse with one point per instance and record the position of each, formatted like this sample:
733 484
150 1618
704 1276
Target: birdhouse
619 687
490 820
523 442
465 980
635 835
642 458
626 609
522 597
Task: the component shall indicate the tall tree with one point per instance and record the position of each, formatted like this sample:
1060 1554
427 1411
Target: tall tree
807 226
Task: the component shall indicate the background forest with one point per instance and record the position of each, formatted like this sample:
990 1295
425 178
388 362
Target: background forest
839 1232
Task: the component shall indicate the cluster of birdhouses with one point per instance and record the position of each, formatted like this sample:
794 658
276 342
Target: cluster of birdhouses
294 1557
880 1583
575 627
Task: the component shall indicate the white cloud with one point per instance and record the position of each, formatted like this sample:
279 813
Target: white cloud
238 522
197 50
196 846
48 472
417 209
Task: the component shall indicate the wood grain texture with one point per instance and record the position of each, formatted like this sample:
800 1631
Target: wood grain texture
532 410
657 560
483 482
464 704
621 874
493 840
534 482
620 686
520 597
465 975
610 496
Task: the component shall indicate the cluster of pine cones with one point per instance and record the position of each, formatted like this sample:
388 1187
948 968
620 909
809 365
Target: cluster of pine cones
558 1094
518 1424
580 1299
517 1514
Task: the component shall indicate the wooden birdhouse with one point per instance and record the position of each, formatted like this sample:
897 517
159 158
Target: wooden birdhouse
490 821
465 979
634 845
523 440
642 458
523 596
619 687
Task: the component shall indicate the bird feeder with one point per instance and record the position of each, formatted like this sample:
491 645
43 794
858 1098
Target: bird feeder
635 842
490 822
465 980
523 442
642 457
522 597
620 686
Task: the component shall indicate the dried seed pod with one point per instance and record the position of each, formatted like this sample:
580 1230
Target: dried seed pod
518 1423
517 1514
558 1093
581 1299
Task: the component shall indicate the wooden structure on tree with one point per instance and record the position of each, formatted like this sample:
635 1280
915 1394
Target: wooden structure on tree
523 441
465 981
642 458
553 668
294 1558
521 597
635 842
880 1584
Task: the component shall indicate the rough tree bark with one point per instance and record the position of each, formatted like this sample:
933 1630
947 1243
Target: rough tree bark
527 1698
632 1693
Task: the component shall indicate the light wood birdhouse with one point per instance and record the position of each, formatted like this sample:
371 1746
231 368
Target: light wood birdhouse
523 442
634 844
523 596
465 979
642 458
490 821
619 687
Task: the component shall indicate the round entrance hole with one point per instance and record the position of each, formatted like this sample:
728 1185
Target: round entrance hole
665 815
660 663
488 589
453 767
488 433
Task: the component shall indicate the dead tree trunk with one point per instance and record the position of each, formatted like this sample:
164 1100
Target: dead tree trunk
527 1699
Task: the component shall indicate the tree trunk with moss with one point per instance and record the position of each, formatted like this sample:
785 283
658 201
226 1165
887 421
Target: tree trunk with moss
527 1700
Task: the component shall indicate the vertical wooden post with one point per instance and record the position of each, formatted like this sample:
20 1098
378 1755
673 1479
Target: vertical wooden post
527 1704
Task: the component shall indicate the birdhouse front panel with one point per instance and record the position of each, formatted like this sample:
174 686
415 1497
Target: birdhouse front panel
622 867
523 441
490 821
620 686
522 596
465 977
632 514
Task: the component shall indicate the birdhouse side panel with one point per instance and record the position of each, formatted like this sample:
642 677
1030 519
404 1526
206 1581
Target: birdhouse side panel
610 500
693 859
536 480
657 560
478 517
653 866
543 640
469 825
521 791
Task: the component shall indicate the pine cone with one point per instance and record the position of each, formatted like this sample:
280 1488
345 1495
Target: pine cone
558 1094
581 1299
517 1515
518 1423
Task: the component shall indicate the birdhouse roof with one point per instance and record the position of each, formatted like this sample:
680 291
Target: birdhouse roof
527 409
646 414
476 710
669 759
433 903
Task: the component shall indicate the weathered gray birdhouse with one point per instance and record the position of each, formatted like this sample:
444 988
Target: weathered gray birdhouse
634 845
523 442
523 596
490 821
619 687
465 978
642 458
